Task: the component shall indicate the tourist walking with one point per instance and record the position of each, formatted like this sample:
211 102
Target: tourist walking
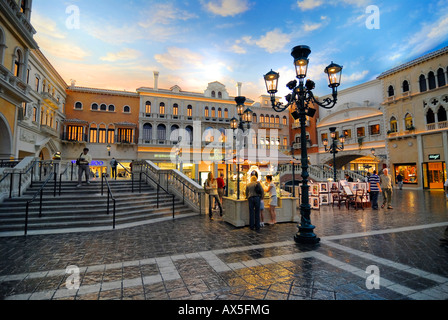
221 185
114 165
400 181
211 187
386 186
374 189
254 192
83 162
273 202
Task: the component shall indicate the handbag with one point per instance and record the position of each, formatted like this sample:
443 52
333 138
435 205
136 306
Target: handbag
78 161
206 188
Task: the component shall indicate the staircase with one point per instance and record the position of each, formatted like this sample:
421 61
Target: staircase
85 209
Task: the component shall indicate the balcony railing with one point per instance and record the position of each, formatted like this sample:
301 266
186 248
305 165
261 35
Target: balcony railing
80 138
436 126
125 139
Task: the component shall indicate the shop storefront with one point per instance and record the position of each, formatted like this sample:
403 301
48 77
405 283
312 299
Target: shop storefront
434 175
408 171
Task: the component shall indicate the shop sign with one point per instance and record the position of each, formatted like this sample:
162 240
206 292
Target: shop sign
93 163
434 157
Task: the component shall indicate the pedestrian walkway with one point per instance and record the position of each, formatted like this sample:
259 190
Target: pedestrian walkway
198 259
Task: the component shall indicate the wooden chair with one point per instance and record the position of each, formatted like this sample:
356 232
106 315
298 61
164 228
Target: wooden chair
357 199
338 197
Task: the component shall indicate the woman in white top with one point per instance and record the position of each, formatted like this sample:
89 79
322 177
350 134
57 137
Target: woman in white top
272 191
211 186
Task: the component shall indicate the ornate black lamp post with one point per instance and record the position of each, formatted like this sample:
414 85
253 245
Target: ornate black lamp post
299 99
334 148
245 118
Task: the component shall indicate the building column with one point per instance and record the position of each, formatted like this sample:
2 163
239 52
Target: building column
445 146
420 160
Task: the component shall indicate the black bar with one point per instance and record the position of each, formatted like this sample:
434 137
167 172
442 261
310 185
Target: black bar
157 196
26 218
114 215
173 207
108 196
20 182
10 185
40 205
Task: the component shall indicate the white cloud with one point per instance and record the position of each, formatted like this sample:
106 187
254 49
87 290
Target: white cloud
273 41
227 8
125 54
61 49
356 76
312 27
179 58
309 4
46 26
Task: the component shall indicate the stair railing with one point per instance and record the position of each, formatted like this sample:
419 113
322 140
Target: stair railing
110 196
158 189
130 173
40 193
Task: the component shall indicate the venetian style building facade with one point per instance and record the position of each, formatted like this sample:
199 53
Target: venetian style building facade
16 43
415 100
358 116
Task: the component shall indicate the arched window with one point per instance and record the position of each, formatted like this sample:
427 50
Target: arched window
422 82
174 133
189 130
272 119
408 121
277 120
254 118
23 6
102 134
206 112
95 107
391 91
213 112
161 132
189 111
430 117
393 124
2 46
162 108
405 86
213 94
127 109
208 135
18 63
220 95
431 80
175 109
78 105
111 134
285 121
219 113
226 113
103 107
441 77
147 132
441 114
148 108
93 133
111 108
261 118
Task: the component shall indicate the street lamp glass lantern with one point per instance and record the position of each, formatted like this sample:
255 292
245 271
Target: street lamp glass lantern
325 142
342 139
300 55
234 123
240 105
271 80
248 115
334 73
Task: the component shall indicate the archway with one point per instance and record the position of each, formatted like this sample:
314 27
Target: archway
5 139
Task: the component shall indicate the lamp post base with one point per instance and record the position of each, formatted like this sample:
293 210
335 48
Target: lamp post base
306 235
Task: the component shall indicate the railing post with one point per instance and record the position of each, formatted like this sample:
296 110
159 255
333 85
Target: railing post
114 216
20 183
140 183
40 205
55 181
102 179
173 206
158 195
71 173
108 196
26 217
10 185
